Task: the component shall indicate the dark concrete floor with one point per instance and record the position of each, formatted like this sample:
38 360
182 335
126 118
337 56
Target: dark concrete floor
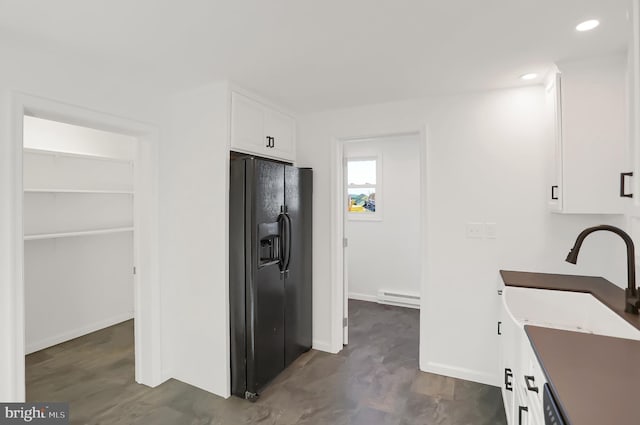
374 380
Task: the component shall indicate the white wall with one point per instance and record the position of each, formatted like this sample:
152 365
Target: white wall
193 208
75 80
487 155
74 286
386 254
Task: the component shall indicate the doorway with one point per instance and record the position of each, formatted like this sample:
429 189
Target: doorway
381 222
142 232
78 247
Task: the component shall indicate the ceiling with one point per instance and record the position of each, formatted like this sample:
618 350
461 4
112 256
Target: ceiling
314 55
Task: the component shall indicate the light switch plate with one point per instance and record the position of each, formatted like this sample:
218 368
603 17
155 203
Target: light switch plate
475 230
491 230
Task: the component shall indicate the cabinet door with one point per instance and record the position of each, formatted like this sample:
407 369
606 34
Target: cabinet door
509 362
247 125
553 106
594 135
282 128
522 413
533 382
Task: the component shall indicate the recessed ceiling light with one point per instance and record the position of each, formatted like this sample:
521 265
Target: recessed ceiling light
531 76
588 25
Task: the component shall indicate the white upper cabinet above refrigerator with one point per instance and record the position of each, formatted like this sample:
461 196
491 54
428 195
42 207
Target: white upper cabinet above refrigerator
259 129
587 102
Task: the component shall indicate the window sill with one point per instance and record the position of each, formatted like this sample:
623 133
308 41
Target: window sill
353 217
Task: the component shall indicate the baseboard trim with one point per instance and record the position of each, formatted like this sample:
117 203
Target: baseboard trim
166 375
363 297
374 299
461 373
323 346
75 333
199 382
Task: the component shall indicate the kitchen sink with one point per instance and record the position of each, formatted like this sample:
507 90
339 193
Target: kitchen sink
574 311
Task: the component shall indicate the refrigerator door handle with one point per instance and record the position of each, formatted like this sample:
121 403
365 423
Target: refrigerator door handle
282 222
289 226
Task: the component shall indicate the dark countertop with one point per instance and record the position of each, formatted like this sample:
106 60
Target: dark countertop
595 379
606 292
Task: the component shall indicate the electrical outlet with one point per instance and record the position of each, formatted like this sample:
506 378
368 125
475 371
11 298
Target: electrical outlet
475 230
491 230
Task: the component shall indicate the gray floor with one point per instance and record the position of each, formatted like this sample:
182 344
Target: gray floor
375 380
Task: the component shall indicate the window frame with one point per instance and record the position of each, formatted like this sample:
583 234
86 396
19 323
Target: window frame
370 216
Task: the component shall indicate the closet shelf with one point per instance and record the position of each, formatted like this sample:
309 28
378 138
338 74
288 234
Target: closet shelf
74 234
87 191
76 155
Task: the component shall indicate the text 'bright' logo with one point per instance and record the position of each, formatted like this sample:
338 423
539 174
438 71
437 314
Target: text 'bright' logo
38 413
27 415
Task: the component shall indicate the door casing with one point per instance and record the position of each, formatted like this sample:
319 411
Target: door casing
146 284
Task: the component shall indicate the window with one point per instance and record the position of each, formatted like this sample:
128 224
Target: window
363 175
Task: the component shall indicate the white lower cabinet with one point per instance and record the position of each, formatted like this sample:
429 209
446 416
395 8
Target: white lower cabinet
523 380
508 332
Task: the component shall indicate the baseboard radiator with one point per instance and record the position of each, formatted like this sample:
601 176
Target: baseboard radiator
402 299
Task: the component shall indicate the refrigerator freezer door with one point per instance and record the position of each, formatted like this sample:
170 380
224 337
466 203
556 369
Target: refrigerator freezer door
298 194
265 289
238 242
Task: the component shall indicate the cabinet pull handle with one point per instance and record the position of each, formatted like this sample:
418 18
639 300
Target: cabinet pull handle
508 374
268 141
623 190
273 142
520 410
499 330
554 196
530 381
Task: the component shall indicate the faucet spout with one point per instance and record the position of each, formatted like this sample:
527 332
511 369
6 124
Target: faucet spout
632 301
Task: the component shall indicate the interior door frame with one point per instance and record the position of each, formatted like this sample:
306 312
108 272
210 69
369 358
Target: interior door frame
345 252
148 366
339 293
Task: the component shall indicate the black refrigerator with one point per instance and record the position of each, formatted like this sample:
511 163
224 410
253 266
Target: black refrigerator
269 270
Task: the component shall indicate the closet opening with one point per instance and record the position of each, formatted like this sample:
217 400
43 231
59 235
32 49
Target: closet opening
79 260
380 209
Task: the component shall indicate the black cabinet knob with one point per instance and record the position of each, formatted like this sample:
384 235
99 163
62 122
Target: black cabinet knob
520 410
623 190
530 381
508 375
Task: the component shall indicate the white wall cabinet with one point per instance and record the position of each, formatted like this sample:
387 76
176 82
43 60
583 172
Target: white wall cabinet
554 109
587 103
259 129
633 211
523 380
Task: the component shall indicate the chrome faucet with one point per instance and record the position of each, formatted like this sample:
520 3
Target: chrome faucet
632 301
